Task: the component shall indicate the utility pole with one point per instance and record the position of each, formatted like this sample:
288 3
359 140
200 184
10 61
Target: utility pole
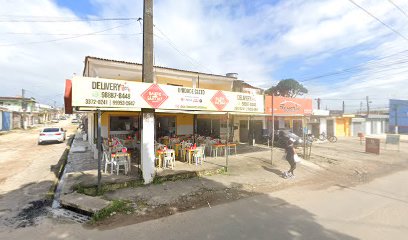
273 131
23 108
396 119
368 106
148 118
344 107
318 103
361 107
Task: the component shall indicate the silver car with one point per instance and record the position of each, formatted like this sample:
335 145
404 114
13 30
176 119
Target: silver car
51 134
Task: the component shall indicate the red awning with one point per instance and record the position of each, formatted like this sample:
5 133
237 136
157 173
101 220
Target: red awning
68 96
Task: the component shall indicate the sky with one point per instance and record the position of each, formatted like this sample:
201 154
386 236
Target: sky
334 48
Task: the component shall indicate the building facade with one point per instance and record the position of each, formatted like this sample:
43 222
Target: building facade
398 121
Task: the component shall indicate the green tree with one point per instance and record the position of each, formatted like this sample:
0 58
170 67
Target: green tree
287 88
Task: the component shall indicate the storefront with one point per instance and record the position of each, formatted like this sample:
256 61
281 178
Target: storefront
180 112
289 113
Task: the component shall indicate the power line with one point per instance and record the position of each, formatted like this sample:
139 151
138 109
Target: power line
66 34
400 9
372 61
383 23
192 60
43 19
66 38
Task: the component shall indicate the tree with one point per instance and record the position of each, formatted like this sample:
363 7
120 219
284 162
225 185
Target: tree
287 88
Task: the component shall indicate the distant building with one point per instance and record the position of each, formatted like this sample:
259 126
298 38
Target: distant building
398 116
24 112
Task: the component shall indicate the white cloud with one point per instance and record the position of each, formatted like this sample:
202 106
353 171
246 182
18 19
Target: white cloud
219 35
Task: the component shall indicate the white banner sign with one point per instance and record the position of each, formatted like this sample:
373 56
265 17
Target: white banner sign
99 92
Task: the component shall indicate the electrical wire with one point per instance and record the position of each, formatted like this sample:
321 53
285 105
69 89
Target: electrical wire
399 8
66 38
357 67
379 20
42 19
67 34
192 60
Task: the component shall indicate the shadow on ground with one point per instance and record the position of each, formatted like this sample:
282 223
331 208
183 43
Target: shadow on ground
219 212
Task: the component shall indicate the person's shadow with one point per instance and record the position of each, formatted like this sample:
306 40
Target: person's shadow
273 170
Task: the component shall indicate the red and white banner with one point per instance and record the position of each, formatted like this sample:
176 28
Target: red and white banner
110 93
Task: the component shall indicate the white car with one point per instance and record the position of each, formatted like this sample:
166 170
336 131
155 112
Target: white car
51 134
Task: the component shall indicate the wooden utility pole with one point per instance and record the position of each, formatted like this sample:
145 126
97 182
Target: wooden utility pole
148 119
147 69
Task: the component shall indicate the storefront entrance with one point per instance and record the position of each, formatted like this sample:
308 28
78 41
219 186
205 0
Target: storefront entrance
297 127
243 131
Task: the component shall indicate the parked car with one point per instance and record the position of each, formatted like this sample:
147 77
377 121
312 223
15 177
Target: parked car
55 120
63 118
75 120
283 135
51 134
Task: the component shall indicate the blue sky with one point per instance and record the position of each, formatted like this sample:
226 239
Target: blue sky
264 41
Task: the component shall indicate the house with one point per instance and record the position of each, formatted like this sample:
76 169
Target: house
22 109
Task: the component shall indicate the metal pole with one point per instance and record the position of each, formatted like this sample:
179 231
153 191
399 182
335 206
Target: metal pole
273 131
304 137
99 148
396 120
226 146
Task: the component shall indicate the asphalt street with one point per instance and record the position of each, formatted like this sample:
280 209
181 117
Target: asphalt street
377 210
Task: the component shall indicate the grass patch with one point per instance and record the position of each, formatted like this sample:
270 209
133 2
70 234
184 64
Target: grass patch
117 206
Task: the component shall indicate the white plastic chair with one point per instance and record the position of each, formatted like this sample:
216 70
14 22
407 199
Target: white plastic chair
106 158
198 155
168 159
121 161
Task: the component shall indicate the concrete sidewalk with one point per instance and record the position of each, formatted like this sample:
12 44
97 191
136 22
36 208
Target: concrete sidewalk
246 171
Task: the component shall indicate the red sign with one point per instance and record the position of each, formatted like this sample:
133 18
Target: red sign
154 96
288 106
219 100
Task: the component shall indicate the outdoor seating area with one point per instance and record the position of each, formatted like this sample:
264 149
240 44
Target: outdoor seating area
118 155
190 149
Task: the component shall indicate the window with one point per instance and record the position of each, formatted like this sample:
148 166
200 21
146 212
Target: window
124 123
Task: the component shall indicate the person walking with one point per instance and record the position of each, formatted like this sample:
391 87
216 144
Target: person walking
290 157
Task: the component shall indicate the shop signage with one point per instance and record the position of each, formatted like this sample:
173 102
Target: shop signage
219 100
372 145
288 106
99 92
154 96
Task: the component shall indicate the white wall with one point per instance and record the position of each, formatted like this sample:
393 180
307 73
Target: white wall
323 125
368 127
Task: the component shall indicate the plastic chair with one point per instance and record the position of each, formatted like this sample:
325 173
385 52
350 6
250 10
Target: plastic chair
121 160
106 158
168 159
198 155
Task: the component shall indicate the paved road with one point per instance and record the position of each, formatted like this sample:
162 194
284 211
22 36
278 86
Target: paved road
378 210
25 168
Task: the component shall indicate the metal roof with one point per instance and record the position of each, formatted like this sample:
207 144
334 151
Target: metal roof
139 64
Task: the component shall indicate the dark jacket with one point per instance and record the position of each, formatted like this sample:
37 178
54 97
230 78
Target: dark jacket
290 153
